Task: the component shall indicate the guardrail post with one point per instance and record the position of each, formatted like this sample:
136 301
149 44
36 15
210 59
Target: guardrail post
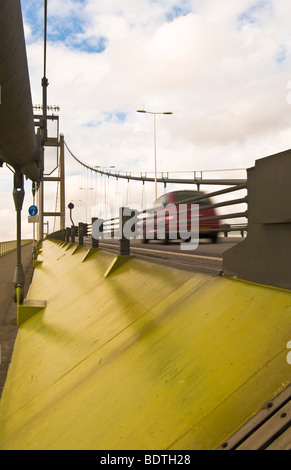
67 234
73 234
85 229
81 234
124 242
96 233
225 229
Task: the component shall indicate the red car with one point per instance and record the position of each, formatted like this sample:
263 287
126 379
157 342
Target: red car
174 216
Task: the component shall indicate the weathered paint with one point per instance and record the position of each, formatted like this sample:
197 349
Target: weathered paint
145 358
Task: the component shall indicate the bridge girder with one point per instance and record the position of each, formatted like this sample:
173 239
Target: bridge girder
18 142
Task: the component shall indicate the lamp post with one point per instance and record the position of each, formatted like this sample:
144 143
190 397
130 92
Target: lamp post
104 167
155 142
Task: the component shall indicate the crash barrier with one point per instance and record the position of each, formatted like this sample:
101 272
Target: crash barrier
152 215
6 247
115 227
140 357
265 255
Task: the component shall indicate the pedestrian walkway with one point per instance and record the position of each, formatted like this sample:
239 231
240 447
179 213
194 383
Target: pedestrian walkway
8 328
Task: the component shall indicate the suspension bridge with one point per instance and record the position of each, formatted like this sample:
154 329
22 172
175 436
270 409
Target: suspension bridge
127 323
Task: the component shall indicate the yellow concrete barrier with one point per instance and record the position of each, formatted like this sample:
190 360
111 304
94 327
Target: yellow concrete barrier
140 356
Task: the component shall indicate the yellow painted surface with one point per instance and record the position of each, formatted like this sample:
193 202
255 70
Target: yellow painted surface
145 358
28 309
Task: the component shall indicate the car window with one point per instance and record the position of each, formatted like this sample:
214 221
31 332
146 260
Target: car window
180 196
161 201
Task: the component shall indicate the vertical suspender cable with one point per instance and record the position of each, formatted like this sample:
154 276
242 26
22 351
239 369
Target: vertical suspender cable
44 80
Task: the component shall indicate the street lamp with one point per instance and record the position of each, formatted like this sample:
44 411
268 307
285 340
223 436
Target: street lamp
155 141
105 167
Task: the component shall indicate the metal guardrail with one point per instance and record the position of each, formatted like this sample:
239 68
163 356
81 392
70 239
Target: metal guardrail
114 227
6 247
224 228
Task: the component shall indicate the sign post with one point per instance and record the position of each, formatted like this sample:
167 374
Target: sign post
33 218
71 207
33 211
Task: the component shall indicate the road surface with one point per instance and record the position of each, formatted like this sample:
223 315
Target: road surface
207 258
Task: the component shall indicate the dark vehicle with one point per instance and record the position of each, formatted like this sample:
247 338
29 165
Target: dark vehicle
175 209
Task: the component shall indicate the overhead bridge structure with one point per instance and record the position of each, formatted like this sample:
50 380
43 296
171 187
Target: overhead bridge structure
164 178
19 146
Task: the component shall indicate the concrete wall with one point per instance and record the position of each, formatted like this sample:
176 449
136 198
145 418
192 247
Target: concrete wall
265 255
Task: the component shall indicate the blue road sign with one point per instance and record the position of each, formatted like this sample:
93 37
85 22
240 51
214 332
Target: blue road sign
71 206
33 210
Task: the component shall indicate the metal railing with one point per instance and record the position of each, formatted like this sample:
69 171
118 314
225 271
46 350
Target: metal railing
241 227
6 247
114 227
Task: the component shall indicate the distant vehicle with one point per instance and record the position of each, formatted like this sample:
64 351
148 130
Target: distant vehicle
173 215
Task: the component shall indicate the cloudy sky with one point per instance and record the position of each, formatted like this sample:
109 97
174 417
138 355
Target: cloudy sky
222 68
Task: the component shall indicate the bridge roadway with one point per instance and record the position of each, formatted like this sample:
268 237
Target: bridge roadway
207 258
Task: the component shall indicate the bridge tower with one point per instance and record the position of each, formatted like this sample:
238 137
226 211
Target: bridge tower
54 145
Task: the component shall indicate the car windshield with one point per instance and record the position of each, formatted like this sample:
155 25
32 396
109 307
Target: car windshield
162 201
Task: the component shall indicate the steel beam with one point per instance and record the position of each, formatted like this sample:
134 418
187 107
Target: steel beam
62 184
18 143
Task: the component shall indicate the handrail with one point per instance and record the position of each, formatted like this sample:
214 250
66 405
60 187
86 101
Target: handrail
7 246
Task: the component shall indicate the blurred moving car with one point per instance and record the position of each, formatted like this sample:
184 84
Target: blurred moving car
170 207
